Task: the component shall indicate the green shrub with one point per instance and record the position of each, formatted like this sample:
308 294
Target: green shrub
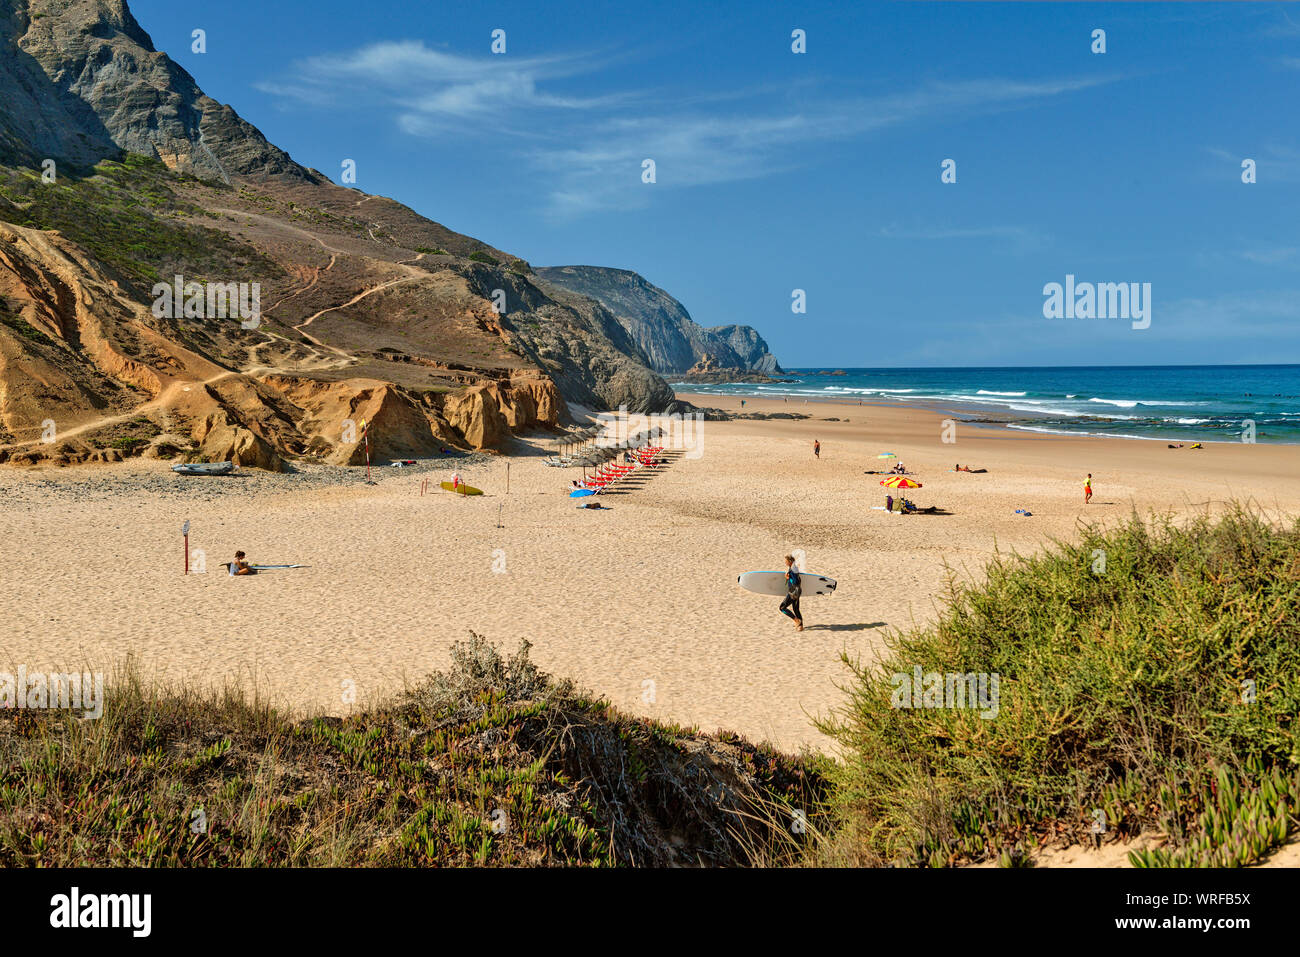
1127 696
25 329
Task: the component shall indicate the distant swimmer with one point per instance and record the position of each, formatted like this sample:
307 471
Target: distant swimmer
817 448
793 588
1087 489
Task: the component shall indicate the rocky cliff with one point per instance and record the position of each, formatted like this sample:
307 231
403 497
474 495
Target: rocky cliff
365 308
81 81
660 326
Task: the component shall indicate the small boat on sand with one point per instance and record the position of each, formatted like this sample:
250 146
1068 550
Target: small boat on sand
204 468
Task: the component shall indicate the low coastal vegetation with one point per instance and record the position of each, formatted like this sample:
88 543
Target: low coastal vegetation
1148 683
131 216
18 324
489 763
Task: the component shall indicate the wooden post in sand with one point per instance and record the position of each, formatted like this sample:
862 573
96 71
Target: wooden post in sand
507 478
185 531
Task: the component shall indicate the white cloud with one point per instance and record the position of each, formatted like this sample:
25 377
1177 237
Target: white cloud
422 81
1274 163
1020 237
590 148
602 165
1275 256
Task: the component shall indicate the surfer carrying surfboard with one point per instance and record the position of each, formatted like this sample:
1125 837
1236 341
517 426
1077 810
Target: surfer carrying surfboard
793 589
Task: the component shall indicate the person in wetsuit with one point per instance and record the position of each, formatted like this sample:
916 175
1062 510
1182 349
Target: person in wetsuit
793 588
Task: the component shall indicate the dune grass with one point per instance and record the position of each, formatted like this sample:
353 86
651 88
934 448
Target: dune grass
489 763
1149 680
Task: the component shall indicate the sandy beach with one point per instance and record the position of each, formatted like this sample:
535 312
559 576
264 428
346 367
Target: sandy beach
638 602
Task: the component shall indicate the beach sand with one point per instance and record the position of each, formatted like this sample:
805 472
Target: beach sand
638 603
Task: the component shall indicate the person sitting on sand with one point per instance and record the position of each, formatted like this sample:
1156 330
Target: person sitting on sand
241 567
793 588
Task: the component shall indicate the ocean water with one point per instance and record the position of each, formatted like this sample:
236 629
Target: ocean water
1173 403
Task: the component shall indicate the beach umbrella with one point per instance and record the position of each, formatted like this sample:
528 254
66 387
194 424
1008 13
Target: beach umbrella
899 481
591 460
886 455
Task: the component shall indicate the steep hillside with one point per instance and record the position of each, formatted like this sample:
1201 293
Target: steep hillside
354 301
660 326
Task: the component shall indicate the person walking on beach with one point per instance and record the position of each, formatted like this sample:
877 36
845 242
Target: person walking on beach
793 588
1087 489
817 448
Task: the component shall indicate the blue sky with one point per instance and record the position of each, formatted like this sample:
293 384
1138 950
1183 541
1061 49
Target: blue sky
821 171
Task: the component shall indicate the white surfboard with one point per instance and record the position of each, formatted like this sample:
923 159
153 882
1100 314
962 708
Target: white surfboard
773 583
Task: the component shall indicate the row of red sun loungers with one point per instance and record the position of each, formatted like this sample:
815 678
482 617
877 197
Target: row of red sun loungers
612 472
